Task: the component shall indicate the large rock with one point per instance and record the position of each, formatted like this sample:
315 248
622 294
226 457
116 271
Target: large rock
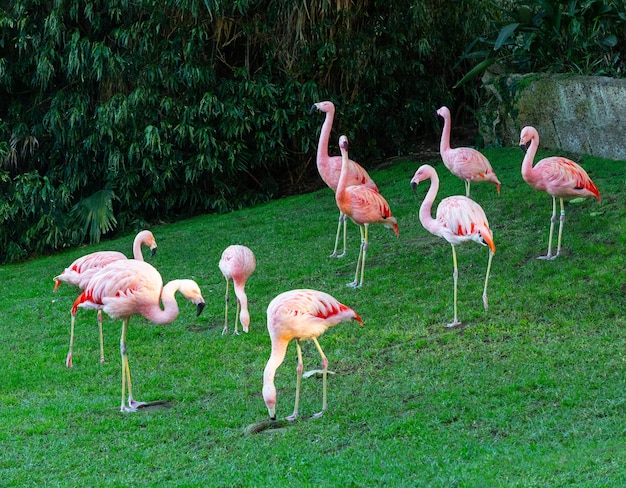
579 114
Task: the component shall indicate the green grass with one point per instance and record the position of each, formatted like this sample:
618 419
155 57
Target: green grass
530 393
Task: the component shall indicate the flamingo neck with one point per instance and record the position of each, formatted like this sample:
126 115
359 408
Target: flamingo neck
169 312
137 254
322 147
243 302
279 349
529 157
429 223
444 145
343 178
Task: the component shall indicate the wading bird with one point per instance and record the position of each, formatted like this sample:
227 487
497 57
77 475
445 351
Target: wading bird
80 272
464 162
458 219
129 287
329 168
237 264
558 177
364 206
300 315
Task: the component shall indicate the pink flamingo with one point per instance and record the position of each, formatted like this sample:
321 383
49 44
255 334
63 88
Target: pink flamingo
364 206
237 264
300 315
129 287
464 162
559 177
330 168
459 220
81 270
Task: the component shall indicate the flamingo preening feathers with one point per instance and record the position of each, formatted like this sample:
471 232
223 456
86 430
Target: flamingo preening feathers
458 219
82 269
237 264
300 315
364 206
329 168
464 162
130 287
559 177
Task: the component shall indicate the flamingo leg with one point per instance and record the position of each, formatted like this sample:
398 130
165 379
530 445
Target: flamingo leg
487 280
324 375
561 221
365 246
342 218
126 381
355 283
455 275
299 369
68 359
237 316
102 361
552 220
226 299
467 188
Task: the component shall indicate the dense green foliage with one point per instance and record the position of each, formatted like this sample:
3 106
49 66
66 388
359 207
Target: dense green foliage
529 394
155 110
559 36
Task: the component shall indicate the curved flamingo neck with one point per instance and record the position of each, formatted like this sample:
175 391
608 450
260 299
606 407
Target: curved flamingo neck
529 157
322 147
444 145
426 218
137 254
343 176
169 312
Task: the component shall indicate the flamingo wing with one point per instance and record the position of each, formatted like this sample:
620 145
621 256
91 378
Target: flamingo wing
462 219
562 177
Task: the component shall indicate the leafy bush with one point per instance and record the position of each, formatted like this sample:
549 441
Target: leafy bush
575 36
117 114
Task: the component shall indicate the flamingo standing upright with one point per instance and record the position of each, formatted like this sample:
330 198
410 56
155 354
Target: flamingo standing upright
458 219
559 177
464 162
129 287
300 315
329 168
364 206
237 264
81 270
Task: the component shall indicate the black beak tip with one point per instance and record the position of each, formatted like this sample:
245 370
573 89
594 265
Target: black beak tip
313 108
153 252
200 308
414 187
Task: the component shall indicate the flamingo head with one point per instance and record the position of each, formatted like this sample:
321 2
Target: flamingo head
526 137
343 143
191 291
422 173
443 112
326 107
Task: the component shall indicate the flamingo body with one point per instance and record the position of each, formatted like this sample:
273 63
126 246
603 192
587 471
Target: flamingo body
300 315
458 219
130 287
237 264
83 269
364 206
465 163
329 167
557 176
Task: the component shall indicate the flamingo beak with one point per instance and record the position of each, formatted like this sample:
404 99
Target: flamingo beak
200 308
524 147
153 251
313 108
414 186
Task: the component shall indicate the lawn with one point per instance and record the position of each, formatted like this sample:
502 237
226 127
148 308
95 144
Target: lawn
529 393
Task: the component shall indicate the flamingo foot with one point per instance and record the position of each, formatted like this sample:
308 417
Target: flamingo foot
308 374
485 302
318 415
354 284
456 323
224 330
338 256
548 257
68 360
292 417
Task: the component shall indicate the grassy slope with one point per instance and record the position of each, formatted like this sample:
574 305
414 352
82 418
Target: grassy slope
530 393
